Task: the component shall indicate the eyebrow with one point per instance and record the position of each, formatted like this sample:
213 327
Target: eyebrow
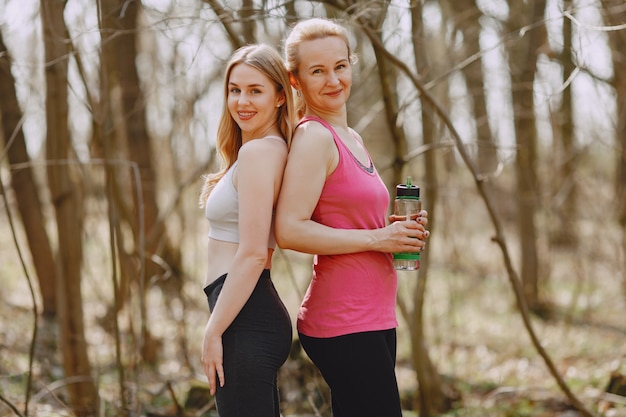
249 85
321 66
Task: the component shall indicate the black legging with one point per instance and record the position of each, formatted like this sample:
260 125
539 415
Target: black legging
359 368
255 345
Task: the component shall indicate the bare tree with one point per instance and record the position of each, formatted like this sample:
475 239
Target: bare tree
15 148
25 187
119 45
465 16
614 14
248 16
565 188
523 53
67 204
433 397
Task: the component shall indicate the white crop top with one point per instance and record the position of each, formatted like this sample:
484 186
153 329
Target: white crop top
222 209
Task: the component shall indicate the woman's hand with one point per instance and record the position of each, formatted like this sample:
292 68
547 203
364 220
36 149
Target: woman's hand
212 359
404 235
421 217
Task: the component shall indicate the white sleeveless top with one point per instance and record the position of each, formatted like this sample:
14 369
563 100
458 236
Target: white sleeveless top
222 209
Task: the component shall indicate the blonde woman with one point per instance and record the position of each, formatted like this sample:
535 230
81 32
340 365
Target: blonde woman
248 335
333 204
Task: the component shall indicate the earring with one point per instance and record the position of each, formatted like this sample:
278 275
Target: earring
299 93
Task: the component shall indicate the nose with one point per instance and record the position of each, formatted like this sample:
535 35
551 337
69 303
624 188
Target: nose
332 78
243 98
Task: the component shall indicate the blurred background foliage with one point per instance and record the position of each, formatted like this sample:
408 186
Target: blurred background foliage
510 115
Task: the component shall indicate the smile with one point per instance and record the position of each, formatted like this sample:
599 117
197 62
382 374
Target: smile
245 114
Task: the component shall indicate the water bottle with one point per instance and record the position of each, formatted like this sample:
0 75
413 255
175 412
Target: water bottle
407 203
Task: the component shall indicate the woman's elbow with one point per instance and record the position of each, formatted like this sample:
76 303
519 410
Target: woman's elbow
258 257
284 235
284 243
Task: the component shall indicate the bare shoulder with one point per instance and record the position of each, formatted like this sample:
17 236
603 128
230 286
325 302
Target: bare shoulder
313 133
270 145
313 128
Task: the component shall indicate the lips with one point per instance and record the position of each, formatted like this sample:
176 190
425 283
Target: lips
245 115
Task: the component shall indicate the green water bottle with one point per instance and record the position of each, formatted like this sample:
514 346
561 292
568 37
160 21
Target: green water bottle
407 203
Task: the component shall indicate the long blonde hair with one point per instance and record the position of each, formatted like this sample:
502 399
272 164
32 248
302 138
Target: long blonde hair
268 61
309 30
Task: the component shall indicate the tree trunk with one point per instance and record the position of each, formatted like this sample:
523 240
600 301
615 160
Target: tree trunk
162 259
432 399
109 142
615 14
466 15
83 396
522 62
248 24
564 227
23 183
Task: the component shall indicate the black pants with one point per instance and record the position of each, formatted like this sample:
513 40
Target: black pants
359 368
255 345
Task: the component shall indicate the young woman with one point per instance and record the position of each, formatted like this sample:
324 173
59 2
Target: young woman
333 204
248 335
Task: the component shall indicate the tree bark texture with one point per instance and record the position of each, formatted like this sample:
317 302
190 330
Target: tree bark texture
527 18
432 399
67 204
25 187
466 17
564 232
615 14
119 25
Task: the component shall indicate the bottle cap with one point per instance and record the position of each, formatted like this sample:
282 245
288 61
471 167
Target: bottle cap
408 190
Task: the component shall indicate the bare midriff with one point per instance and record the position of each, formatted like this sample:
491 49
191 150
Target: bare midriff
220 258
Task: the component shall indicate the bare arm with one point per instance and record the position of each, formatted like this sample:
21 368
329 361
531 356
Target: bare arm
313 156
258 180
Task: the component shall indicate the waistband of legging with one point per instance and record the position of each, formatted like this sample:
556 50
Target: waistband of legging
265 274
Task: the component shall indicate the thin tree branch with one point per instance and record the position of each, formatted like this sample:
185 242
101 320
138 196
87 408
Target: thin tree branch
578 23
227 20
11 406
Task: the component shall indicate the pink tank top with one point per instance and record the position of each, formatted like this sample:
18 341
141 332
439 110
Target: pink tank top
352 292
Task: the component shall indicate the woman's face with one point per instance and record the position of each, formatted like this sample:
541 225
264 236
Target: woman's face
253 101
324 73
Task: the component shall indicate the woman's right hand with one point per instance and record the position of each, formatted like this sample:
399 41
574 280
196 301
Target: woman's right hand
212 359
